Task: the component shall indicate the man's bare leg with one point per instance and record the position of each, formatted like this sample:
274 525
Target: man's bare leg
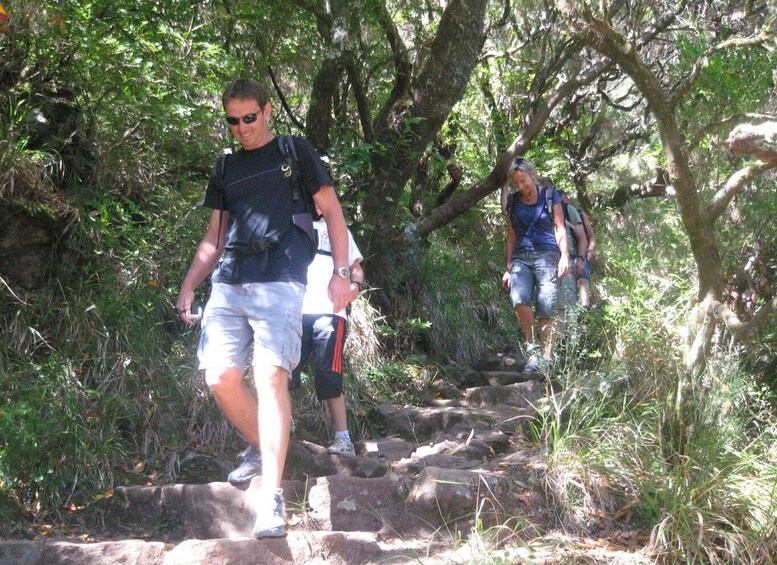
235 400
272 385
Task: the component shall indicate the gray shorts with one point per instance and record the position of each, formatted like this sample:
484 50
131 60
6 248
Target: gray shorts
534 274
265 315
567 293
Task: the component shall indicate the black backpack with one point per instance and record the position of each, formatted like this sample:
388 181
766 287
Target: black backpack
299 186
300 191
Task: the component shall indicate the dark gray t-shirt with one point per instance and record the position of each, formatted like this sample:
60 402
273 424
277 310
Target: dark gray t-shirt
574 219
258 196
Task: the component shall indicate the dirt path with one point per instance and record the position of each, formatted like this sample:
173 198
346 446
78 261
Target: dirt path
454 481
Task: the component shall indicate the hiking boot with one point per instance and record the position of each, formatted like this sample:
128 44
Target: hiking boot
271 519
250 466
341 446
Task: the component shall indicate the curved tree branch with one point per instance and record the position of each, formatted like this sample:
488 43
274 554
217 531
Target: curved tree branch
745 331
459 204
402 66
701 233
282 98
449 211
728 122
759 141
656 187
733 185
413 123
359 92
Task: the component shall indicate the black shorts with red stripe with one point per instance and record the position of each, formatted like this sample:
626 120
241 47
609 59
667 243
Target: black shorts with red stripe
323 336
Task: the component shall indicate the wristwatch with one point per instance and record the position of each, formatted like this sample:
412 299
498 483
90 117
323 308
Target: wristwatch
344 272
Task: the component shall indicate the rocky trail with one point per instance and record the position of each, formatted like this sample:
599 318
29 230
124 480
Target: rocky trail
453 481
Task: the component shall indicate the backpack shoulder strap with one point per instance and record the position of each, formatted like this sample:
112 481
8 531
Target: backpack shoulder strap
222 167
509 205
289 152
549 191
565 208
283 142
571 244
299 188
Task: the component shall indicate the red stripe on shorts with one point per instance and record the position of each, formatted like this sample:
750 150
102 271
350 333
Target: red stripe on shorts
337 358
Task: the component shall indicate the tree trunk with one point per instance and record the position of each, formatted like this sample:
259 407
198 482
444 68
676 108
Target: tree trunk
415 119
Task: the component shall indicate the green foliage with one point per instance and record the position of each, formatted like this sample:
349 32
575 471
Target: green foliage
97 373
460 288
690 456
96 368
398 382
721 89
648 285
52 439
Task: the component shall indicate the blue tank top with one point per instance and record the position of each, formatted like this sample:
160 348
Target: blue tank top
532 224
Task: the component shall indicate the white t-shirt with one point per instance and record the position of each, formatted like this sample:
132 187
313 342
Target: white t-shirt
320 273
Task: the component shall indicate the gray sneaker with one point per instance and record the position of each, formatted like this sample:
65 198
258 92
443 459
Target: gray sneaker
271 521
250 466
538 364
535 364
341 446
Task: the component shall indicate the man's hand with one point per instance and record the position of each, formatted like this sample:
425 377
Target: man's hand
355 290
563 266
506 281
183 306
339 291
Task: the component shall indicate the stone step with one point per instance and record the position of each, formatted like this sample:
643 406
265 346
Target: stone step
335 503
502 378
438 470
520 394
310 548
421 424
178 512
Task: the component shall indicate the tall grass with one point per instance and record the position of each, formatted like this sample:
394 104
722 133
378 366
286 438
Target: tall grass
94 364
689 457
460 288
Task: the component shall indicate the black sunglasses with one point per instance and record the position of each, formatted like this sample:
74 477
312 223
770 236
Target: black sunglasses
247 119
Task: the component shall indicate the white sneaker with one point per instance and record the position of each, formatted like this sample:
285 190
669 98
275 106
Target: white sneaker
341 446
271 520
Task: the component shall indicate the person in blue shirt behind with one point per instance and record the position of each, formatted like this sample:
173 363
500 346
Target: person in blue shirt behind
536 255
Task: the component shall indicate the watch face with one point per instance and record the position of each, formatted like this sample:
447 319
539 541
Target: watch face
344 272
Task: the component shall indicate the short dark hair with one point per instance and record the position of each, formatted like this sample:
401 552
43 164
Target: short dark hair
245 89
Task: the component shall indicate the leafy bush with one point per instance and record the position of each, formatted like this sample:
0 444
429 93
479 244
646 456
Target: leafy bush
639 435
95 363
460 288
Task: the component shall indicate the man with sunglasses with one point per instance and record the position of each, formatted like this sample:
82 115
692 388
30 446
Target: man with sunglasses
257 291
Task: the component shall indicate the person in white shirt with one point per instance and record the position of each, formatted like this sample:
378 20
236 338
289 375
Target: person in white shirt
324 332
